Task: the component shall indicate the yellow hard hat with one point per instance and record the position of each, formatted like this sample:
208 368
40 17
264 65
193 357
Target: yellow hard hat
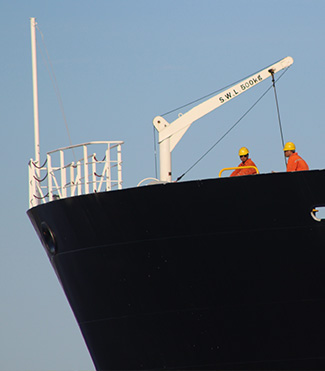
243 151
289 147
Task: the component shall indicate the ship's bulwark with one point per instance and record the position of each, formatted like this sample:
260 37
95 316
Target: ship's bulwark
214 274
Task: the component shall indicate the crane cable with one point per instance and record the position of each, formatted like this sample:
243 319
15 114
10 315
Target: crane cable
237 122
278 111
205 96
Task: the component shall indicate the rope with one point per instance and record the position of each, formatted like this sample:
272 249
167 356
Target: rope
40 180
95 158
278 112
197 100
39 167
41 198
206 96
227 132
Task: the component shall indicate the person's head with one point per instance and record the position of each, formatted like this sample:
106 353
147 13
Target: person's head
243 154
289 149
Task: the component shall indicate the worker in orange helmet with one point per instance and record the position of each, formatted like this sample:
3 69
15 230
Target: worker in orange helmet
246 161
295 162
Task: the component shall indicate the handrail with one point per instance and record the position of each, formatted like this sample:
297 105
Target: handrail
64 177
238 167
116 142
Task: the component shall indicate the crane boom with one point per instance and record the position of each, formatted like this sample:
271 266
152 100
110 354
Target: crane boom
171 133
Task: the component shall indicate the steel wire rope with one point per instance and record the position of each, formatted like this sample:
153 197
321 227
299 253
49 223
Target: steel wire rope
186 105
208 95
278 112
229 130
55 85
197 100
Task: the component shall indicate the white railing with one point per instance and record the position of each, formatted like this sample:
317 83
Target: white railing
72 171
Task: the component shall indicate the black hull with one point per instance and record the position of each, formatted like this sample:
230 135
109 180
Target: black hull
214 274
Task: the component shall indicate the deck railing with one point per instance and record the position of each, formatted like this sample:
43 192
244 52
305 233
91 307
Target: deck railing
72 171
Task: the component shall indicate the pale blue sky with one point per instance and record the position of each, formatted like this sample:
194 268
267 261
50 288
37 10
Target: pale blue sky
118 64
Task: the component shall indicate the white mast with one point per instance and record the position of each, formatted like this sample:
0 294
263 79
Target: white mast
171 133
35 95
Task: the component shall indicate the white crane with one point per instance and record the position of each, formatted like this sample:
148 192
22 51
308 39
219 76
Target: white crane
171 133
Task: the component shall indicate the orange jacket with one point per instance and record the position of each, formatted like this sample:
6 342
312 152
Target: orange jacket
239 172
296 163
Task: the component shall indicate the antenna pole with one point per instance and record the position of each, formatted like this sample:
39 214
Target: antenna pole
35 94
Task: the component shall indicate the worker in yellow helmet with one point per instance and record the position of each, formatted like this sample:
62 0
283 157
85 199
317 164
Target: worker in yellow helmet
295 162
246 161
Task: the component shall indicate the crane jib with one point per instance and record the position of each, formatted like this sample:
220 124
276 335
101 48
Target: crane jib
244 86
171 133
